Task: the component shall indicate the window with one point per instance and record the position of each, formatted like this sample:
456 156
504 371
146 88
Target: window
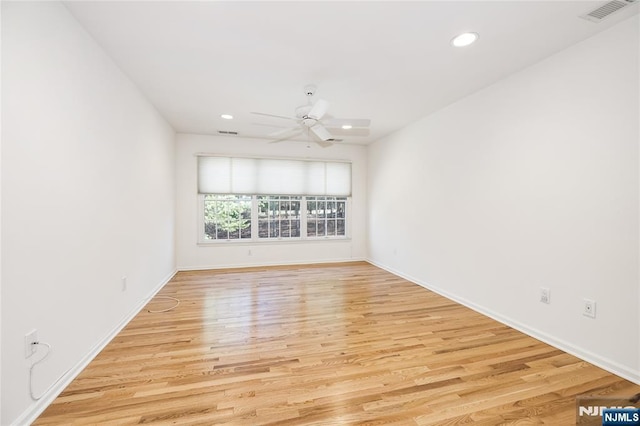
278 216
253 199
275 217
326 216
227 217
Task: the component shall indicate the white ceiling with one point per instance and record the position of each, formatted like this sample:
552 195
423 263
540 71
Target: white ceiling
390 61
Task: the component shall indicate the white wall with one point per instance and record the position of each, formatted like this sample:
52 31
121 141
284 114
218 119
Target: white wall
88 189
190 255
531 182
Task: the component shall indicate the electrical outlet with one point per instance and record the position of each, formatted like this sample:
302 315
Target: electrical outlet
30 339
545 295
589 309
124 283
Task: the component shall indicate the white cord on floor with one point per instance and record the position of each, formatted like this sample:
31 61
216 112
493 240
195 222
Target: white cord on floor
168 309
49 349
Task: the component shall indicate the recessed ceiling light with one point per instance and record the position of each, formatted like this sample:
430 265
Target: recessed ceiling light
347 126
227 116
464 39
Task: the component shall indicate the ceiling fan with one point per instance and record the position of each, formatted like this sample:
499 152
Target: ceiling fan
312 118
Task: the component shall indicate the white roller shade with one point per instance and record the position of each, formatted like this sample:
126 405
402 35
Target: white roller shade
265 176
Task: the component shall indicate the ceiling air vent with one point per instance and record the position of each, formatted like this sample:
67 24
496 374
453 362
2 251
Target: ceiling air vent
606 10
334 140
227 132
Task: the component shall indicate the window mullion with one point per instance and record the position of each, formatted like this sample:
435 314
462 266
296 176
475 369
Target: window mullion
347 217
254 218
279 216
303 217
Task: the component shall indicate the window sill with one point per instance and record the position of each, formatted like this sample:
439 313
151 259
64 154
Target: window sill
273 241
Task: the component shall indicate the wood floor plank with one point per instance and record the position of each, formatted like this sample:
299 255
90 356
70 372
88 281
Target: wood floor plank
323 345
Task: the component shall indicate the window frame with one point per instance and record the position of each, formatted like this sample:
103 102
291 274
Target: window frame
256 239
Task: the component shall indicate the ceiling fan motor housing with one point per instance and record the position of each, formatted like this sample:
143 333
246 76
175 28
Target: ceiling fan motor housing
303 111
309 122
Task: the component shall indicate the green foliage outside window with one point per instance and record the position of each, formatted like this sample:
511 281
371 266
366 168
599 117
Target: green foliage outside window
227 216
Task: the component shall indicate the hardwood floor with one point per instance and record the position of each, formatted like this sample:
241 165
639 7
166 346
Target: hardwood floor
323 345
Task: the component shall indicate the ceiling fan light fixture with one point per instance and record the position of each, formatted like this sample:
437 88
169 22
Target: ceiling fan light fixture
226 116
464 39
347 126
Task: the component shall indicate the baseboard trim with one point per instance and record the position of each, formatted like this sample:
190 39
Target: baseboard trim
261 264
38 407
588 356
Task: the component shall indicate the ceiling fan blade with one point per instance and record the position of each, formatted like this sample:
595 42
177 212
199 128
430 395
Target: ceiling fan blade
356 131
281 133
322 133
275 116
324 144
319 109
286 137
354 122
277 126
